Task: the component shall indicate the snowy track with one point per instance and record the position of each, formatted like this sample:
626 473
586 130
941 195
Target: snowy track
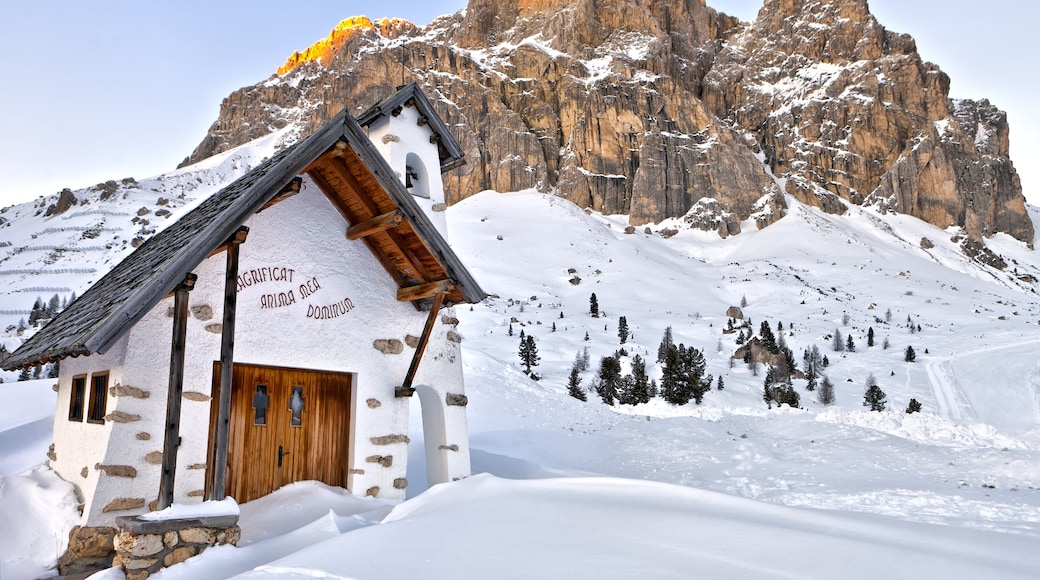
949 397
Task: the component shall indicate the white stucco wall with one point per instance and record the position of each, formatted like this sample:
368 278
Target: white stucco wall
79 445
304 234
396 137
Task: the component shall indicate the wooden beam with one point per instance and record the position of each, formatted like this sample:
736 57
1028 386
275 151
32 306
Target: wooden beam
290 189
406 389
217 476
233 240
421 291
377 224
411 262
172 440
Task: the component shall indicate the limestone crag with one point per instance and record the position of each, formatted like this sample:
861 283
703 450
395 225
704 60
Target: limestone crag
846 110
648 108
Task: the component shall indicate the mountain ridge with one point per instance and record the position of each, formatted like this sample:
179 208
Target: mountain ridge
646 110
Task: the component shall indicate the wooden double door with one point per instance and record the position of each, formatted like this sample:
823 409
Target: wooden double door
286 425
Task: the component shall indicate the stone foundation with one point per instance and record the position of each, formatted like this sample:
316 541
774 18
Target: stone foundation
144 547
90 550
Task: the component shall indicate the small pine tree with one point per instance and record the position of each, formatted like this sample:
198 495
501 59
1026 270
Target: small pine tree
870 336
741 338
586 336
720 385
561 314
574 386
909 355
844 318
622 329
826 393
850 345
743 301
885 344
888 315
838 344
643 392
874 397
53 370
766 337
914 406
666 341
826 361
609 379
510 329
594 306
529 355
554 326
25 374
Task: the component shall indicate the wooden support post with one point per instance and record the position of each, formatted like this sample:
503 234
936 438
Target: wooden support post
377 224
406 389
216 486
172 439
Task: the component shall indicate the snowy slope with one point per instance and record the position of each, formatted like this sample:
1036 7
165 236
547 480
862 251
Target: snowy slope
954 490
42 256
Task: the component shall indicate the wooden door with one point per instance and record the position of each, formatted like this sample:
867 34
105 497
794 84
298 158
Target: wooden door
286 425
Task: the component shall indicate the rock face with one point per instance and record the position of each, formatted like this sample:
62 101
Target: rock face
654 109
847 110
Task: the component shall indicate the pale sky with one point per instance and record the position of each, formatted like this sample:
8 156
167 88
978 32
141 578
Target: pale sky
105 90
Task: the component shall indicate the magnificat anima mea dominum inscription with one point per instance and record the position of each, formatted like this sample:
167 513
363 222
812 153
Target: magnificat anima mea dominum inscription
285 297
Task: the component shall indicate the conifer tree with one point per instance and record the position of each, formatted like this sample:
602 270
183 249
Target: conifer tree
826 394
838 344
609 379
622 329
25 374
870 336
885 344
874 397
574 386
510 329
721 385
641 383
529 355
666 341
909 355
594 306
586 336
766 337
914 406
850 345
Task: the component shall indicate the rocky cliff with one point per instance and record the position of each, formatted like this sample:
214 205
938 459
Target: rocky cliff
666 108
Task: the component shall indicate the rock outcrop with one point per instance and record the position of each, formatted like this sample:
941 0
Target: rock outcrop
647 109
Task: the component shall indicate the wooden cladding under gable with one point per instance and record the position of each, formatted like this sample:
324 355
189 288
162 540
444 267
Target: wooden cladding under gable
376 219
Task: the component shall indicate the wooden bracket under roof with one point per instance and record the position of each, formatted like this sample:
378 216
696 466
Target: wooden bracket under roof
374 225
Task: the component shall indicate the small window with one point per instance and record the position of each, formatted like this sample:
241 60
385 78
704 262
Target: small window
296 407
98 398
79 395
260 403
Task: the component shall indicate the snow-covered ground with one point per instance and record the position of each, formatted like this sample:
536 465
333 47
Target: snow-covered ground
728 488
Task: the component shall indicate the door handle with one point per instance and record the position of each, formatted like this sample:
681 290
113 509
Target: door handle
281 454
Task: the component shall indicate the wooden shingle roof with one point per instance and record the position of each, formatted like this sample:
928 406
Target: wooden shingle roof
344 164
